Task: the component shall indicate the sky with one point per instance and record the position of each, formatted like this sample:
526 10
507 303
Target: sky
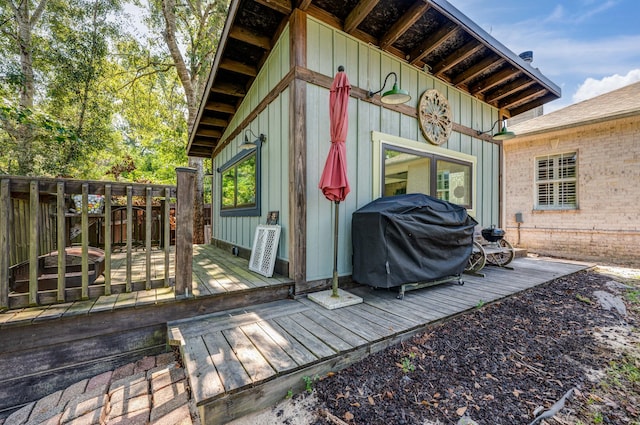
586 47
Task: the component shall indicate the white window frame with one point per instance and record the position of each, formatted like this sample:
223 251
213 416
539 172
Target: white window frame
556 181
379 139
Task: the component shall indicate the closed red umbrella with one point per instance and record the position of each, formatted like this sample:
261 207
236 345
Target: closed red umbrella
333 182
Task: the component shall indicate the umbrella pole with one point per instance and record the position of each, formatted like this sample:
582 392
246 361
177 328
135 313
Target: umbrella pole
334 292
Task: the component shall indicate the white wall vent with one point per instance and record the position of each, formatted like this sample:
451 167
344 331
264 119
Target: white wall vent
265 249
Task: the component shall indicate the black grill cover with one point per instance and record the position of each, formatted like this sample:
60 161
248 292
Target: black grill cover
410 238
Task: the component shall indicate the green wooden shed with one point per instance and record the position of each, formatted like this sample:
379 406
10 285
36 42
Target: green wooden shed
270 84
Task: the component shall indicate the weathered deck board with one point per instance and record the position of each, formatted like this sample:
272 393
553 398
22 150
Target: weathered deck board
232 374
287 340
277 357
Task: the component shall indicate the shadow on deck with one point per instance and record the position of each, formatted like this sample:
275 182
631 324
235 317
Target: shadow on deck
239 361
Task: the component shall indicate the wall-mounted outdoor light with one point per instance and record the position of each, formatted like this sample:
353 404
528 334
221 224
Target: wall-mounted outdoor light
395 96
258 142
503 134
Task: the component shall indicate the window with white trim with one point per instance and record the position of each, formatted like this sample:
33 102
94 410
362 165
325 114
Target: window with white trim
410 171
556 181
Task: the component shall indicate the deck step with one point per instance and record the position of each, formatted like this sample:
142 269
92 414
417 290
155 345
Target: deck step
242 360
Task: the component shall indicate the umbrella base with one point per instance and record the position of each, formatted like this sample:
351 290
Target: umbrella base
343 299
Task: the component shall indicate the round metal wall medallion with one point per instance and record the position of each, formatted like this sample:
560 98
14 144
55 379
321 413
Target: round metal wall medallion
434 114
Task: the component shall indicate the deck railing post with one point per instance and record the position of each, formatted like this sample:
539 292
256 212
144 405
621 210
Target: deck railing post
34 229
107 239
184 230
5 262
167 234
85 242
148 215
61 240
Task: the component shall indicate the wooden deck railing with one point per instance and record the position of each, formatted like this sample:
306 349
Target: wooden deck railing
35 220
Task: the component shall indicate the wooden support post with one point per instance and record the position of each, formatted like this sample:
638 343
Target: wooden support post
129 236
184 230
147 235
107 239
61 226
34 226
167 234
85 242
297 152
5 207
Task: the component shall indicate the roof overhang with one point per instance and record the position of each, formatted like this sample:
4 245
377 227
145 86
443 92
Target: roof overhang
428 34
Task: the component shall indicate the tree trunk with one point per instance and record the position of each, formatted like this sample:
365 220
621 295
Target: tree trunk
25 23
168 11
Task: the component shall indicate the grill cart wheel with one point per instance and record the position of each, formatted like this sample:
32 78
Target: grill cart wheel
501 255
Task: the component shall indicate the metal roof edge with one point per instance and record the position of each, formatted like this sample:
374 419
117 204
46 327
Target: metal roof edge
457 16
231 16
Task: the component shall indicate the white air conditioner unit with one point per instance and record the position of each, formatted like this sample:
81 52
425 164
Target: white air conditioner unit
265 249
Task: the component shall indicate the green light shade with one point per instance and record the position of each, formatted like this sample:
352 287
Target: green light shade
395 96
504 134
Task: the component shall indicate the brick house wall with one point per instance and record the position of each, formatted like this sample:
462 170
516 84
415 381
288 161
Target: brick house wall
605 227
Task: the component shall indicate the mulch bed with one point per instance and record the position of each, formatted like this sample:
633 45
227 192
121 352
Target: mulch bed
496 365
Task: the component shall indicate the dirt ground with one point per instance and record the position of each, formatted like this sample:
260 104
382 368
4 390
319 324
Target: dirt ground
511 362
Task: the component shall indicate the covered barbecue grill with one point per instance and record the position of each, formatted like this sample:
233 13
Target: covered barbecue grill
411 238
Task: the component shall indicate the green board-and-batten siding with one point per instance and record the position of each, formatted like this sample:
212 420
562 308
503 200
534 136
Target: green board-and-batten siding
274 123
366 68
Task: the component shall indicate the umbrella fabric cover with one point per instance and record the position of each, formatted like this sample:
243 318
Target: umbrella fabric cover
408 239
333 182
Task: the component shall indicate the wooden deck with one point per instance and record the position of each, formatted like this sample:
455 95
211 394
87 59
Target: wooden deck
215 272
242 360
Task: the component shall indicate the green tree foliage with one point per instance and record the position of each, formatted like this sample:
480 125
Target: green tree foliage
67 63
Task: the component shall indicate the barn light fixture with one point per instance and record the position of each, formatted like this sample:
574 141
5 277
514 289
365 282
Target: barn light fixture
258 142
395 96
503 134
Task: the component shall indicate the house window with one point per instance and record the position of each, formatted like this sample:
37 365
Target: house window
556 181
409 171
240 183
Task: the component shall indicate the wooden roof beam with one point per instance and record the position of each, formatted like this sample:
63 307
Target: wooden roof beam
493 81
431 43
303 4
238 67
533 104
216 134
515 86
523 97
229 89
401 26
220 107
477 69
281 6
461 54
245 35
358 13
214 122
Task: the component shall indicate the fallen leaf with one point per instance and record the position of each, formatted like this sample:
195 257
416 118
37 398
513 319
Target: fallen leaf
517 393
339 396
348 416
436 395
461 410
371 402
442 357
356 404
330 374
424 403
389 394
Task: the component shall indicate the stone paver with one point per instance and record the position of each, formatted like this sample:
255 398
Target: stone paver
151 390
